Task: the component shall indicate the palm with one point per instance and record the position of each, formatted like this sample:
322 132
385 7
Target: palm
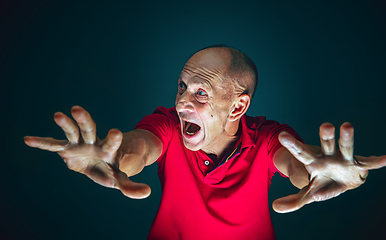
332 171
90 160
83 152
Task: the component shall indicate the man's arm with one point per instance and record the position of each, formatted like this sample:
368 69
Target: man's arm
321 173
107 162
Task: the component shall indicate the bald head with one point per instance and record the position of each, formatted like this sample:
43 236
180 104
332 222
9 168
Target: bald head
240 71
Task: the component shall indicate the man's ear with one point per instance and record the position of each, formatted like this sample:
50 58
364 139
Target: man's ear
240 107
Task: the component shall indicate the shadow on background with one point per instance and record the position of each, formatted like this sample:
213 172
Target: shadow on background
320 61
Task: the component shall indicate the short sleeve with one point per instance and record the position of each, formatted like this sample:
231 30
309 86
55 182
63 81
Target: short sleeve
162 123
274 144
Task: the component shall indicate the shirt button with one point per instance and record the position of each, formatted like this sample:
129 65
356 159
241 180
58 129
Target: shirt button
206 162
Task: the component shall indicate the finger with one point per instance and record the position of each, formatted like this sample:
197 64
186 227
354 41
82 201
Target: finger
104 174
327 138
132 189
346 141
320 189
112 141
290 203
372 162
86 124
69 127
48 144
297 149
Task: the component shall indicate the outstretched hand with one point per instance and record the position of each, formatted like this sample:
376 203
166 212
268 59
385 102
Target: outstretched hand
332 172
85 153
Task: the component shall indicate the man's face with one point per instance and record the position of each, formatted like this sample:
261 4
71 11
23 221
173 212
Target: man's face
203 102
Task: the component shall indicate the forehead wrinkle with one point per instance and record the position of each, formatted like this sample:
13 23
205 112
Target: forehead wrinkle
200 80
204 82
211 72
204 73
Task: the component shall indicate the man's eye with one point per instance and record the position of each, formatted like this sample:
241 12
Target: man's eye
182 85
201 93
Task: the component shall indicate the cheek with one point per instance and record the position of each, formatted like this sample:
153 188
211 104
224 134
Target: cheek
211 113
214 124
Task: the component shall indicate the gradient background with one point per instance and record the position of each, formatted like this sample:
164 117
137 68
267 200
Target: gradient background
320 61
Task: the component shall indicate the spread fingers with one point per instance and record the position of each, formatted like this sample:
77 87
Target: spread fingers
327 138
86 124
48 144
346 141
112 141
297 149
69 127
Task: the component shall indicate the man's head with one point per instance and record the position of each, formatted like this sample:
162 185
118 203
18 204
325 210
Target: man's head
214 90
241 71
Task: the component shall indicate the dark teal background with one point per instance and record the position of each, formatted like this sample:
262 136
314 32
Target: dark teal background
317 62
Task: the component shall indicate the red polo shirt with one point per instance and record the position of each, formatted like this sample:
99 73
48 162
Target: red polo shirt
200 201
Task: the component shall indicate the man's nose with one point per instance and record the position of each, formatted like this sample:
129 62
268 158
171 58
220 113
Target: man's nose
185 101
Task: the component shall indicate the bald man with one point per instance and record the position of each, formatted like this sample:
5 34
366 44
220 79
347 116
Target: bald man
215 163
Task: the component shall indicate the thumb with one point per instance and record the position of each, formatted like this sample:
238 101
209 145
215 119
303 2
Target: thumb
319 189
292 202
132 189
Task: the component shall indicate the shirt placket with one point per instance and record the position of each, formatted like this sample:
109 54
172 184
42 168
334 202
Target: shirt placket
205 164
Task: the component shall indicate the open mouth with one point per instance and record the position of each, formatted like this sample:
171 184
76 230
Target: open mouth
191 129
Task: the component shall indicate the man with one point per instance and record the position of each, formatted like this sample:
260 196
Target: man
215 163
